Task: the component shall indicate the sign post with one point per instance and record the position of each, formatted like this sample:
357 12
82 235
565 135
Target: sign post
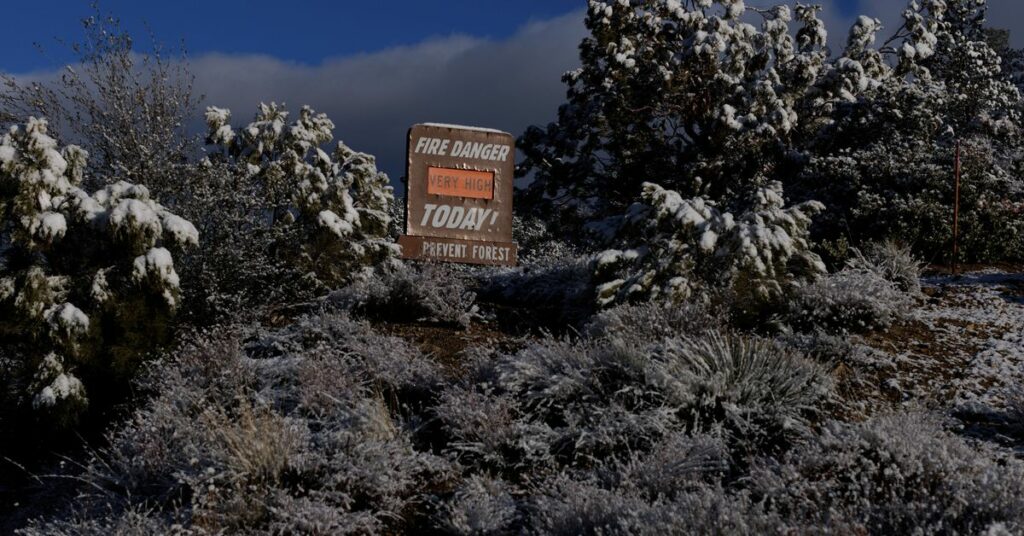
956 208
458 195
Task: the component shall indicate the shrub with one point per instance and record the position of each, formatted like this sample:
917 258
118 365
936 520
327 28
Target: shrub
85 279
573 507
680 245
852 300
577 404
552 293
432 293
336 206
481 506
642 323
892 475
294 431
891 261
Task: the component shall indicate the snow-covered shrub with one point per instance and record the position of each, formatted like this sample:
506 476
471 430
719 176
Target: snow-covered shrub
576 404
431 293
550 292
585 507
897 474
643 323
87 279
337 205
679 246
237 275
538 245
893 262
853 300
294 431
131 522
482 505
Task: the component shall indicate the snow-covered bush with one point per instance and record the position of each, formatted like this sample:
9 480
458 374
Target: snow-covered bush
586 507
337 206
653 321
237 275
482 505
561 404
893 262
294 431
551 293
87 279
679 246
898 474
432 293
853 300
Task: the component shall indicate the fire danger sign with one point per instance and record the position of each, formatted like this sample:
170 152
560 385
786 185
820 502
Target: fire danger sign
459 195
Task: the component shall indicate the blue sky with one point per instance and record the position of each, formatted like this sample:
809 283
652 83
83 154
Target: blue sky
305 31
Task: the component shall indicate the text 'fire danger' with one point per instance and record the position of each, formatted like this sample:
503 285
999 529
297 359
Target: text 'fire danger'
463 149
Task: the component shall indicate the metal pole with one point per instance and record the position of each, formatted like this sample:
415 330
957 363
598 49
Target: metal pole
956 209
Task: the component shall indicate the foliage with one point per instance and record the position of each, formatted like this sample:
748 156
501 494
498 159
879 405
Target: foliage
849 301
295 431
558 404
428 294
896 474
86 279
695 97
338 205
687 94
683 245
893 262
128 108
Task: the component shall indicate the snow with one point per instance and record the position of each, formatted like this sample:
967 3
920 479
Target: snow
62 387
67 320
137 216
180 229
464 127
335 224
48 226
157 267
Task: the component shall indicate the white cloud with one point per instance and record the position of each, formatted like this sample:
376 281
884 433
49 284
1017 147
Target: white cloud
374 98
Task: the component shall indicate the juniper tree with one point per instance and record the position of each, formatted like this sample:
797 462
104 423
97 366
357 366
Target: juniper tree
86 280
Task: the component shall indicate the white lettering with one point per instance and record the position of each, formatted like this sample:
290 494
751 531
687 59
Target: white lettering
428 208
456 218
441 216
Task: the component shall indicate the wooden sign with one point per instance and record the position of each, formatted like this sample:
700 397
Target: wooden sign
458 195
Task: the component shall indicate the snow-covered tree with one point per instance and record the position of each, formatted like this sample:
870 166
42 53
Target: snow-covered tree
335 206
883 164
86 280
688 94
683 245
694 97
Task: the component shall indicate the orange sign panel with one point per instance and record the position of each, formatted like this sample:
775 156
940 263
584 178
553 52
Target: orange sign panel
460 183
